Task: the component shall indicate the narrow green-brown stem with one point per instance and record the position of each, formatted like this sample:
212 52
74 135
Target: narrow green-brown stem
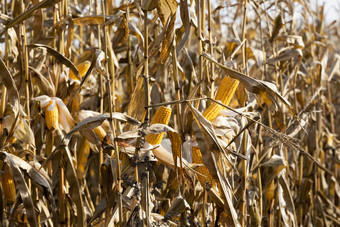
130 79
200 46
177 86
244 140
116 154
259 176
110 88
61 194
101 86
245 176
244 27
211 49
204 209
3 87
147 111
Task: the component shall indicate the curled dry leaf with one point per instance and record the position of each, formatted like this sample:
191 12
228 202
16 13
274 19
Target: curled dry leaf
58 56
22 187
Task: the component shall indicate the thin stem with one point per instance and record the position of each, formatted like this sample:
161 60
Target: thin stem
211 49
147 102
200 46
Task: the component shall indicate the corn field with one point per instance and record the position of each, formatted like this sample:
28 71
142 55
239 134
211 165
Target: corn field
169 113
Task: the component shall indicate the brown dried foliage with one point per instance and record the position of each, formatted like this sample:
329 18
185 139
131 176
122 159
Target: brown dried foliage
270 158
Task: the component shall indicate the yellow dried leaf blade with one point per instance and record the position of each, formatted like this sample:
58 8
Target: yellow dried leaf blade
89 20
58 56
136 107
166 8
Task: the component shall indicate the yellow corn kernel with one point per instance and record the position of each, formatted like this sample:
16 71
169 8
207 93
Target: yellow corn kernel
207 181
100 132
8 186
51 115
162 116
13 139
224 94
82 68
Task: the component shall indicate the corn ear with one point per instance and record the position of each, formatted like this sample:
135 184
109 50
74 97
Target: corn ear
8 186
224 94
100 132
206 181
84 152
51 115
82 68
13 139
162 116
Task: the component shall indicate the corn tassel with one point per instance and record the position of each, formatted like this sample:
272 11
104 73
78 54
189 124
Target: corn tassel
8 186
207 181
82 68
51 115
100 132
162 116
224 94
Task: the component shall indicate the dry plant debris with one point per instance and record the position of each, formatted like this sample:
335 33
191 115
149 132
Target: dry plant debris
169 113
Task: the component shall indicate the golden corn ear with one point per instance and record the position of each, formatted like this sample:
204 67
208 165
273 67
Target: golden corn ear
51 115
100 132
84 152
162 116
207 181
224 94
82 68
8 186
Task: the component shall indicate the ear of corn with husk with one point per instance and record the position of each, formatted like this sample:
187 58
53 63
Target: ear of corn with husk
225 92
82 68
8 186
56 113
205 180
162 116
51 115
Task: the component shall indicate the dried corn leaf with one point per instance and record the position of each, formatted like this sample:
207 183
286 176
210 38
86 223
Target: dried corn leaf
7 79
22 187
37 176
44 84
286 203
179 205
166 8
93 122
285 55
28 13
75 189
210 146
152 129
57 56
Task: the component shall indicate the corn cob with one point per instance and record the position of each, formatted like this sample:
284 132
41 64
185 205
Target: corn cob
82 68
207 181
8 186
162 116
84 152
224 94
51 115
100 132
